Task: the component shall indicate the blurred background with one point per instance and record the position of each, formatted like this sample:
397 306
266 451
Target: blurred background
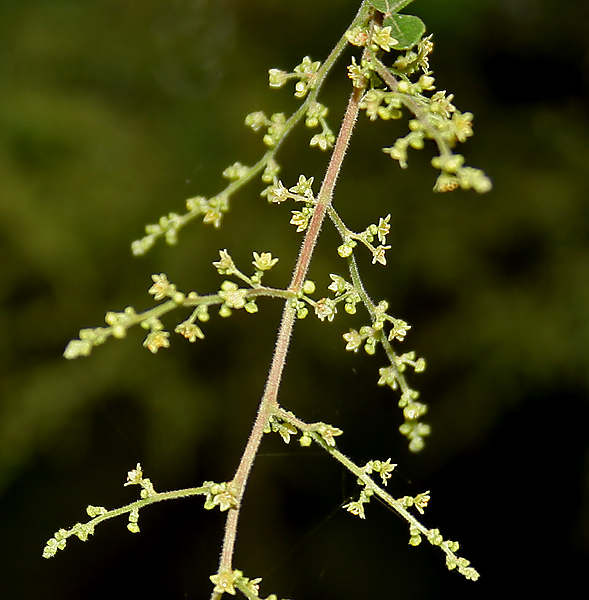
112 113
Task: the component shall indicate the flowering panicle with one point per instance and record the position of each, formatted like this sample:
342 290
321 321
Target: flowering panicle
384 93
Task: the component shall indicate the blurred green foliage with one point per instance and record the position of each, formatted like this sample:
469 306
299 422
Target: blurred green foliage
112 113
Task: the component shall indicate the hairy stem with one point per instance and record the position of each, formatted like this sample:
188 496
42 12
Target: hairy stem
270 397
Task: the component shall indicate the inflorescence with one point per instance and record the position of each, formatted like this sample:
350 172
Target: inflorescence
394 79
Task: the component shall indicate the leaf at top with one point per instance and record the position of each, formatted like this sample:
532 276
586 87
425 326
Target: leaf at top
389 7
406 29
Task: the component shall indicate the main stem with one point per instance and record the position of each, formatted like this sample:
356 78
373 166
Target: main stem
269 399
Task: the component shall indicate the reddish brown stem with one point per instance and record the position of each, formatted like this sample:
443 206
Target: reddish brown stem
269 399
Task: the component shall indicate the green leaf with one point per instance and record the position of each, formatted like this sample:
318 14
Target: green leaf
389 7
407 29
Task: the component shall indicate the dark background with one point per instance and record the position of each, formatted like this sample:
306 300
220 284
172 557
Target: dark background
111 114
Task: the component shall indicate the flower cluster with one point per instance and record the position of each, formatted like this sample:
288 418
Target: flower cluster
231 295
59 540
344 292
420 501
385 469
284 428
326 432
135 477
366 237
98 513
316 115
301 192
219 494
392 376
229 581
236 171
275 126
304 73
416 58
356 507
286 424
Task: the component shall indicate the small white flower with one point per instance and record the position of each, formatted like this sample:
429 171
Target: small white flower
325 309
383 228
378 256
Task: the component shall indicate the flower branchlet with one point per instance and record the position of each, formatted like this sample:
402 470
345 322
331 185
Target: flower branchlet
98 514
310 76
383 329
406 85
417 531
229 297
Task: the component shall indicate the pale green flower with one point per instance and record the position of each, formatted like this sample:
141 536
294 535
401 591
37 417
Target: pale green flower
190 331
357 36
156 340
276 193
225 266
383 228
399 330
264 261
324 140
328 433
256 120
224 582
277 78
356 508
300 218
77 348
357 74
421 500
378 255
236 171
354 340
303 187
161 286
382 37
135 476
